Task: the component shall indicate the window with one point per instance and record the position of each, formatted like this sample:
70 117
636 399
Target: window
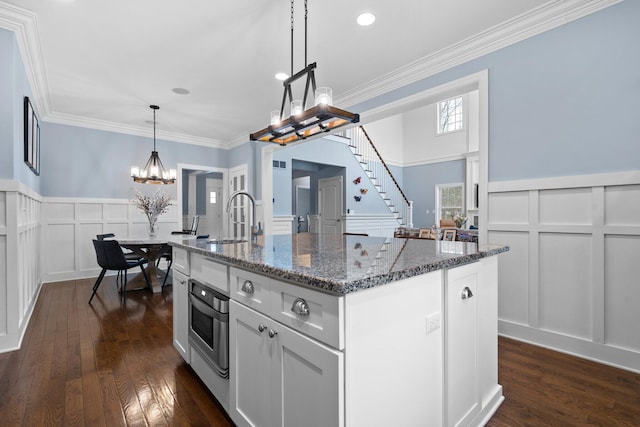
449 201
212 197
450 115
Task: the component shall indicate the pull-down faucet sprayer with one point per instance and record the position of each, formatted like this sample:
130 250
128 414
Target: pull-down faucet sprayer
255 231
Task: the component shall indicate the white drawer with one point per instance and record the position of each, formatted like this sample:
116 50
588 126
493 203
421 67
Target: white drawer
324 320
250 289
208 271
181 261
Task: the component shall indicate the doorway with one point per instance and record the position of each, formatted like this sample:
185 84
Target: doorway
302 203
478 81
192 197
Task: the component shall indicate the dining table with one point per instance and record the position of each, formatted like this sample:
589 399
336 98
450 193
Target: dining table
151 249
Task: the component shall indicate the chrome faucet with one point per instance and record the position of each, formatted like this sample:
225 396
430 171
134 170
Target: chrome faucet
255 231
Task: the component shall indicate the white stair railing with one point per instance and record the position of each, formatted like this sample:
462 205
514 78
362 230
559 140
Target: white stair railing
378 172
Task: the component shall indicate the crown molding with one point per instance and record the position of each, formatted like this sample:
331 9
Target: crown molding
24 25
546 17
85 122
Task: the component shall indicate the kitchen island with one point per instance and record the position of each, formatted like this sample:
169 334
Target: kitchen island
347 330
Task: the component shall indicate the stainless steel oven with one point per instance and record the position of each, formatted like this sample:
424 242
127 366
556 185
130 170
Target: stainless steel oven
209 326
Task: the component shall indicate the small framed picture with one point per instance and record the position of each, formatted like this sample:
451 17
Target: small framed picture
31 137
449 235
425 233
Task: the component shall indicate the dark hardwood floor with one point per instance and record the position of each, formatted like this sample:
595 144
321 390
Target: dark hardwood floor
109 364
101 364
546 388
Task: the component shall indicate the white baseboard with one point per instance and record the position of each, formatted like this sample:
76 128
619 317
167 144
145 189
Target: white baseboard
601 353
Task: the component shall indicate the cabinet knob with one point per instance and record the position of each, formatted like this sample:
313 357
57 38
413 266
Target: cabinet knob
300 307
247 287
272 333
262 328
466 293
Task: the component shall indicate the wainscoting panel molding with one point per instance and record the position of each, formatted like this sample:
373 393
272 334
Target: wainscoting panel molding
70 225
20 260
373 225
570 280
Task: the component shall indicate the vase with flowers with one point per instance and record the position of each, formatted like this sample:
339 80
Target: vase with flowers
152 206
460 219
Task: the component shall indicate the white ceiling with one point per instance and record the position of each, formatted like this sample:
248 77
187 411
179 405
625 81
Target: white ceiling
101 63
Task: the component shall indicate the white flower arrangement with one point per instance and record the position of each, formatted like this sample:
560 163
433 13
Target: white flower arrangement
152 206
459 219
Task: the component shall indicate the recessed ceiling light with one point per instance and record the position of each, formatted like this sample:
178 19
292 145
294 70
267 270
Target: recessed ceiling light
366 19
282 76
180 91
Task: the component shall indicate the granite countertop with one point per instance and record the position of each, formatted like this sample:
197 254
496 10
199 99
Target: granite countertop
340 264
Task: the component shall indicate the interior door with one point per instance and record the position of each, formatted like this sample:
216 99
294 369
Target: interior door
214 208
239 215
330 205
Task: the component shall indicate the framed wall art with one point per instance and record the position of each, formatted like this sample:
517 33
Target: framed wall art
31 137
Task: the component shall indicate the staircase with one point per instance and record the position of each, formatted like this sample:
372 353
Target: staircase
378 172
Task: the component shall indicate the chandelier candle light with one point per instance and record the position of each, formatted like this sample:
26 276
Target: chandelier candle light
154 171
304 124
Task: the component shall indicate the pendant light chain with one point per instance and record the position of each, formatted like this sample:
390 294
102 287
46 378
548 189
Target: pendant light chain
291 38
306 12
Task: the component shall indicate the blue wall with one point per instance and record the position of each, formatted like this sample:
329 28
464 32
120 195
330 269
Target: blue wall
324 152
6 104
80 162
562 103
13 88
423 196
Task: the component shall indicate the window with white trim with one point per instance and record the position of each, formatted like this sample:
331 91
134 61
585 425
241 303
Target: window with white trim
450 115
449 201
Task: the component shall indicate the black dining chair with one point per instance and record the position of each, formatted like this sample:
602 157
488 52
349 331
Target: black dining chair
130 256
110 257
194 227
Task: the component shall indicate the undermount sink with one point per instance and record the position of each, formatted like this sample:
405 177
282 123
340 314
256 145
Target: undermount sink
225 241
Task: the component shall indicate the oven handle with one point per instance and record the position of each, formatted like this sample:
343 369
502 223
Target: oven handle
208 311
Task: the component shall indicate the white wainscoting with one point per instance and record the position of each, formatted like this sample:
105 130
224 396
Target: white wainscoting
20 260
283 224
571 279
373 225
70 224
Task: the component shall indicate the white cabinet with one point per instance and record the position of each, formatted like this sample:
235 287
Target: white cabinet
280 377
208 271
471 343
180 289
181 314
462 371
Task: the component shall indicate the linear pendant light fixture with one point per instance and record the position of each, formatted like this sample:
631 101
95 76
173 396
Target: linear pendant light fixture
154 171
304 124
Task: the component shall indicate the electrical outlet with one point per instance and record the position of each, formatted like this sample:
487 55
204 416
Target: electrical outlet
433 322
